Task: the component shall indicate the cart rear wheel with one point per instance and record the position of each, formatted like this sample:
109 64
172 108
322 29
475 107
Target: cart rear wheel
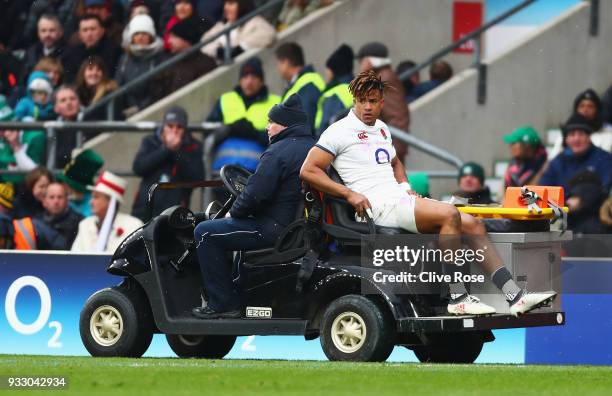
463 347
200 346
354 328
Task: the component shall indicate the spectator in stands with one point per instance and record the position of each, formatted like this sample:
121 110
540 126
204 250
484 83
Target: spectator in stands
588 104
53 68
93 83
294 10
144 52
24 233
37 104
10 71
336 97
585 197
30 196
301 79
68 108
169 155
244 112
62 9
580 155
528 157
19 150
50 42
58 215
93 41
471 184
412 81
606 102
107 227
79 176
136 8
183 10
183 36
439 72
211 11
111 22
256 33
375 56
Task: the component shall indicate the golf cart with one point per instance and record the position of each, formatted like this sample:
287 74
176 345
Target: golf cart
301 286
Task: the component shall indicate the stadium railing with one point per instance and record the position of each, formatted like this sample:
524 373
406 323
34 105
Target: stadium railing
109 100
476 38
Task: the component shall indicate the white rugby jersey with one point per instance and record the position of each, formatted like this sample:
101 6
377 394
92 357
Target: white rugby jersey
363 157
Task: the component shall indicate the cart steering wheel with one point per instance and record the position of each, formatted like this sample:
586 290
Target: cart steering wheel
235 178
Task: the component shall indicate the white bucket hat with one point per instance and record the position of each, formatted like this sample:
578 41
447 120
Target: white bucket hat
111 185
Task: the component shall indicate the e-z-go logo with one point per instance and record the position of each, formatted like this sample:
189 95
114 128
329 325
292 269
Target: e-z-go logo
43 316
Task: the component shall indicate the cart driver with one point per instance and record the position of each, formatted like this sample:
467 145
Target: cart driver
261 212
360 149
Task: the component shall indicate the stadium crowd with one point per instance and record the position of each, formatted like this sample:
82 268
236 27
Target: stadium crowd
58 57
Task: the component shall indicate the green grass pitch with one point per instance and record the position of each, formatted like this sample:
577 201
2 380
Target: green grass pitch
146 376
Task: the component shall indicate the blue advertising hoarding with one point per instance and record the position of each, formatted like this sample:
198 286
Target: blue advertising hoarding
43 293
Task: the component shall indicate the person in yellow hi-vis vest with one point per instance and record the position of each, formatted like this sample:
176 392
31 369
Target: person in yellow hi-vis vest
336 98
303 80
244 112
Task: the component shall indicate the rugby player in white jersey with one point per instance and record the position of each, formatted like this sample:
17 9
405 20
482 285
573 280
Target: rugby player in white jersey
360 149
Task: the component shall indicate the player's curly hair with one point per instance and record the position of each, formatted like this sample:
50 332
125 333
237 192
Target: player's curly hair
365 82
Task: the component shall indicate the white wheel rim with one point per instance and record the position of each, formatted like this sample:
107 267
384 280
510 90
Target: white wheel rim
190 340
106 325
348 332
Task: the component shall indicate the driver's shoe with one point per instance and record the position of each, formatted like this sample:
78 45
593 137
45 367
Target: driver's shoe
469 305
209 313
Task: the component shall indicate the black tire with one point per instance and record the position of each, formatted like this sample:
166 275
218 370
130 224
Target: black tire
132 310
371 322
206 347
463 347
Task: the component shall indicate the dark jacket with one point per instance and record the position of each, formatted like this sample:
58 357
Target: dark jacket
274 190
181 74
74 55
66 224
34 52
481 197
155 163
309 94
566 165
10 73
46 237
133 64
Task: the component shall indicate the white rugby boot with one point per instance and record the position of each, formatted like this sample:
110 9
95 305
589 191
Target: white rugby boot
469 305
527 301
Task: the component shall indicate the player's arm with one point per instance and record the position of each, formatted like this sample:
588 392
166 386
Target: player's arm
314 172
398 170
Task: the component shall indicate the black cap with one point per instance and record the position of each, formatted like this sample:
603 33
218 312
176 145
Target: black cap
176 115
289 113
588 94
190 29
252 66
374 49
577 121
340 62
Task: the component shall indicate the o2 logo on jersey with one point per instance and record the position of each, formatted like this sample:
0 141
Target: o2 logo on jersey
382 156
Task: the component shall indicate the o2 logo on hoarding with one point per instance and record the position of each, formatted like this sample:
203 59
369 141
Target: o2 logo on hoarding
382 156
43 316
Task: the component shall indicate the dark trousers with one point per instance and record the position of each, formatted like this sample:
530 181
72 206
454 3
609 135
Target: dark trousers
215 238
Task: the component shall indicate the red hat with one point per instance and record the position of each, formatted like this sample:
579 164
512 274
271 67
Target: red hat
111 185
